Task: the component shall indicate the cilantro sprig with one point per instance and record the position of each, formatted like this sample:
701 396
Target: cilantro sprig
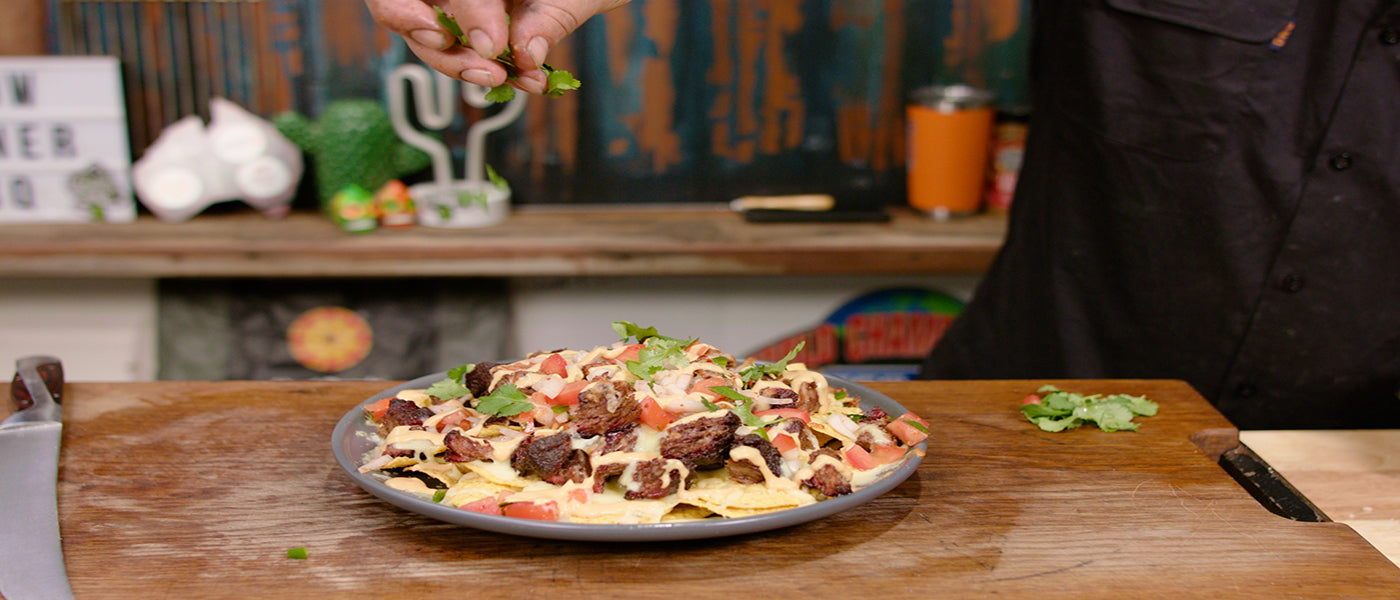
658 352
452 387
759 371
743 408
557 81
1059 410
504 401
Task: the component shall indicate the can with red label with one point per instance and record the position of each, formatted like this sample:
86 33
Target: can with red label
1008 145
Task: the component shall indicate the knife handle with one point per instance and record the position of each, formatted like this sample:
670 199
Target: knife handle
50 369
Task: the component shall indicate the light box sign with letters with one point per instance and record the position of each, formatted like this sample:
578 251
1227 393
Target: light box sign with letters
64 151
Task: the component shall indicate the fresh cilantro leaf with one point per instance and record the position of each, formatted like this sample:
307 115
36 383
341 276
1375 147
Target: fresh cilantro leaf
658 352
505 401
559 81
452 387
729 392
1059 410
743 408
917 425
627 329
439 495
460 372
758 371
721 361
449 23
500 94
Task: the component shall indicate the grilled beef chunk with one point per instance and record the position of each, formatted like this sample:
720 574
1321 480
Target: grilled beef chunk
877 415
808 398
780 397
619 440
827 479
702 443
461 448
604 472
553 458
654 479
744 471
478 380
806 440
403 412
398 452
605 406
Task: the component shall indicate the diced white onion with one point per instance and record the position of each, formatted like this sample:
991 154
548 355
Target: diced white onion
376 462
684 404
550 386
842 424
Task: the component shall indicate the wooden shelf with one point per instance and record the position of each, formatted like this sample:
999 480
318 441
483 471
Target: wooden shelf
533 242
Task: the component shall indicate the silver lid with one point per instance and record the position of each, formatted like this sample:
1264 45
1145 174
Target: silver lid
950 98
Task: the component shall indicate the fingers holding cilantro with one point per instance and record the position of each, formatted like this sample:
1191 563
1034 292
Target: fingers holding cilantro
496 44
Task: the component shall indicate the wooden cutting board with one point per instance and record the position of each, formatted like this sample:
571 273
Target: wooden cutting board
197 489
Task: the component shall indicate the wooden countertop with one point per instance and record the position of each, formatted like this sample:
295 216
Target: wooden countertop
533 241
1353 477
197 489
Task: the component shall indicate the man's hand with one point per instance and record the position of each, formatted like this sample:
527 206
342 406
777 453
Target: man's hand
530 30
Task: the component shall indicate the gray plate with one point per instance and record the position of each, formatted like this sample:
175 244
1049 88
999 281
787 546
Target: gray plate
351 441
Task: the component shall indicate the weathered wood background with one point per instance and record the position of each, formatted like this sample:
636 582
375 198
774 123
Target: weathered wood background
693 101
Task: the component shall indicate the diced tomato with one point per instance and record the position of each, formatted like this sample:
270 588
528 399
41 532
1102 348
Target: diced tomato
490 505
377 408
859 458
631 352
452 419
905 431
785 413
539 511
1031 399
705 385
654 416
783 442
885 454
569 395
579 495
554 364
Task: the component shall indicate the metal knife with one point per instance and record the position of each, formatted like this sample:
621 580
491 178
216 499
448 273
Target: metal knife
31 553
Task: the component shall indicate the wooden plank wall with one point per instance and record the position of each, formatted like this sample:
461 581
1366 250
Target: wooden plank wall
683 101
22 29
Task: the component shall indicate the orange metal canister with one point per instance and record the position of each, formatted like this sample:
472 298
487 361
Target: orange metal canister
950 132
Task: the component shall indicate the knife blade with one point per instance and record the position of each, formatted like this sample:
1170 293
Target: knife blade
31 551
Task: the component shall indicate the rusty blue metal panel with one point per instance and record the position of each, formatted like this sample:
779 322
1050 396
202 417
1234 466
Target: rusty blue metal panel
683 100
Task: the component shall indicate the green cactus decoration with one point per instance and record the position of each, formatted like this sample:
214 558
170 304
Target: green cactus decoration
352 143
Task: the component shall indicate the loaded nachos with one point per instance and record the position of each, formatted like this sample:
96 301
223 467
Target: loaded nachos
649 429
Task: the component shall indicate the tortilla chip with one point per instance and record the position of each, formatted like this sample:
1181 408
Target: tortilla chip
444 472
687 512
628 512
727 498
498 473
472 487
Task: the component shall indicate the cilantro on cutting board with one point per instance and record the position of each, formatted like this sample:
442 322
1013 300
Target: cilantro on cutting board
1053 409
557 81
